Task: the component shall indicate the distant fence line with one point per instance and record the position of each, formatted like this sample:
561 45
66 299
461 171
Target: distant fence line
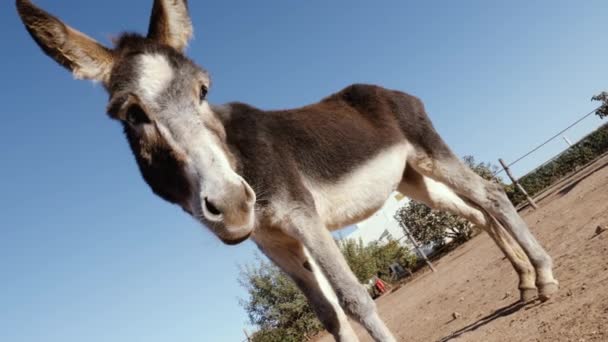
557 135
560 154
585 150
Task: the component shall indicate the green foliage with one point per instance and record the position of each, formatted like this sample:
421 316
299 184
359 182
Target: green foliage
430 226
485 170
275 335
359 258
276 305
581 153
281 312
434 226
388 253
602 111
375 258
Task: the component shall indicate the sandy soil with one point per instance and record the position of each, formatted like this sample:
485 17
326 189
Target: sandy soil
478 286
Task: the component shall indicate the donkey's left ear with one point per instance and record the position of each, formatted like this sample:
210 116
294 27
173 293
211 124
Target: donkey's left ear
170 23
85 57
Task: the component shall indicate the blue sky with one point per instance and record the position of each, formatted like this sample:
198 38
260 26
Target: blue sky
87 253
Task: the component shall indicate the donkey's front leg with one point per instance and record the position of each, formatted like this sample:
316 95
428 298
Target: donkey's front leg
307 227
291 256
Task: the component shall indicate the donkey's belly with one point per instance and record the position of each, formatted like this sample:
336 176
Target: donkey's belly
359 194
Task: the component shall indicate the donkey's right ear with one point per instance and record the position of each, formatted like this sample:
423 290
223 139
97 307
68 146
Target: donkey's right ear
85 57
170 23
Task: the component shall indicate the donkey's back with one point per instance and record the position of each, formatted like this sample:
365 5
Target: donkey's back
345 153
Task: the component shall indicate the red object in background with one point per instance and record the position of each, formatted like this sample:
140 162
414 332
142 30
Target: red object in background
380 286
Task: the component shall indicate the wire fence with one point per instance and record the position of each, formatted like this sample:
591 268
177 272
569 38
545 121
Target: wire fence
557 135
565 163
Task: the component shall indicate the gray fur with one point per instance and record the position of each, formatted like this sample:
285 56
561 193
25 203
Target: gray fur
281 176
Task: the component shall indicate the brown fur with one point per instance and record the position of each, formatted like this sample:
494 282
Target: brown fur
290 158
160 30
325 140
70 48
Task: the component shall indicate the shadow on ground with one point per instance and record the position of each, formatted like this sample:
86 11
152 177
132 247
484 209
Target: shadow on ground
502 312
565 190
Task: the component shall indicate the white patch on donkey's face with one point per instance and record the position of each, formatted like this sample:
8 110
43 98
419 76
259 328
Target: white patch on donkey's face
155 75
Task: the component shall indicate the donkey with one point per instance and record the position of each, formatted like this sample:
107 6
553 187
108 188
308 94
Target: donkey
284 178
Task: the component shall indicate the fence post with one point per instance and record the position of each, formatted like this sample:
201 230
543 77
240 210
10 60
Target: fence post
417 246
247 335
516 183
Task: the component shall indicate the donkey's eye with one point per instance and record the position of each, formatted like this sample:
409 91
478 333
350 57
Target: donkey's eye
136 115
203 93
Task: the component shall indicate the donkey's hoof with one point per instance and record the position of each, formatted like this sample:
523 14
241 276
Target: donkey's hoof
527 295
546 291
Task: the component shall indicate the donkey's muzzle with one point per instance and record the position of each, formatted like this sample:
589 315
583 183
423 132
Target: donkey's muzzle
236 241
232 212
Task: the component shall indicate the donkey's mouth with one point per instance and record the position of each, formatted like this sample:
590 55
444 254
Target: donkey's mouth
233 242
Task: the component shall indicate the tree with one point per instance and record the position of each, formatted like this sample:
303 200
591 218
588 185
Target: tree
485 170
602 111
375 258
359 258
281 312
436 227
388 253
430 226
276 305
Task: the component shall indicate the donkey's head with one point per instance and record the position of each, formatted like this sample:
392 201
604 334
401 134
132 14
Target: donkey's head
159 96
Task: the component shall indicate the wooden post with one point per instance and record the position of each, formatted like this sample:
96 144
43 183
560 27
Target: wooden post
247 335
516 183
417 246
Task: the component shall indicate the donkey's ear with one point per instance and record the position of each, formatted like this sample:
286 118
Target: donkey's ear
86 58
170 23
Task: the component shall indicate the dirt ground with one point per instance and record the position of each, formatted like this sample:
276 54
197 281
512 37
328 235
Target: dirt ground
477 286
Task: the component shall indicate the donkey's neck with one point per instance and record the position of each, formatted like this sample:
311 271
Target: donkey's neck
248 140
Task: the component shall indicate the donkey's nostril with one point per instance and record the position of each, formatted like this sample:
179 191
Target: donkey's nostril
211 208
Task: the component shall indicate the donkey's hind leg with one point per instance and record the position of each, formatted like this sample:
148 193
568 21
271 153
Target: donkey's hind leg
291 256
439 196
446 168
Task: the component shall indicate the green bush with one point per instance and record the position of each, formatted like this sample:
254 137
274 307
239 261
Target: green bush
430 226
359 257
275 305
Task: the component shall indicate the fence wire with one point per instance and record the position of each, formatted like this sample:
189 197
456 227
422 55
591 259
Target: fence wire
549 140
